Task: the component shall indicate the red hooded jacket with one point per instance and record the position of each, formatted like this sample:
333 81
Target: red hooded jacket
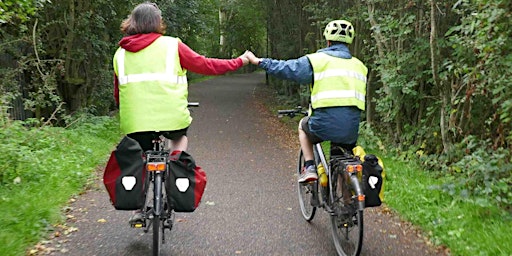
189 59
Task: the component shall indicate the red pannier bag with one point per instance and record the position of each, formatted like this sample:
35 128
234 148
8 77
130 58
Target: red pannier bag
124 175
185 183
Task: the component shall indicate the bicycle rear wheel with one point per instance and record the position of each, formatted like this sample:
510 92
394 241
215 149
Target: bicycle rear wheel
158 223
305 192
347 219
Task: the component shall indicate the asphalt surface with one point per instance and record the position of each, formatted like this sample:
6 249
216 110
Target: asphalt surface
250 205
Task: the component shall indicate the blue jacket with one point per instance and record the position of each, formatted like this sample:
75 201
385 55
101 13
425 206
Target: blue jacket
339 124
300 70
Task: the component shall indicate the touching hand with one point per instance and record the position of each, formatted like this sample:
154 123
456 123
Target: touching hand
252 58
244 58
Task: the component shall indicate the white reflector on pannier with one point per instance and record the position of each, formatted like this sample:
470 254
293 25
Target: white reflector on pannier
182 184
128 182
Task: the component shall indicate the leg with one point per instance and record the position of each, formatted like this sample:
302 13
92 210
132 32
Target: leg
180 144
179 140
305 145
309 171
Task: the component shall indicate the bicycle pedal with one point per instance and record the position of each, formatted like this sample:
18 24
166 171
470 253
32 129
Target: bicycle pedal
138 224
168 226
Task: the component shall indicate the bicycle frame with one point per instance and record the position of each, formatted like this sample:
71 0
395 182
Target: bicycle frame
320 158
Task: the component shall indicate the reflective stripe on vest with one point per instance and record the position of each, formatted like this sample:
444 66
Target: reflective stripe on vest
337 81
337 94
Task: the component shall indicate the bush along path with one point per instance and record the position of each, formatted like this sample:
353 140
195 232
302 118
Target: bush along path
41 168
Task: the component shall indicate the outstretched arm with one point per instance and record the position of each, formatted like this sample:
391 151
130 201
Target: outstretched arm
298 70
194 62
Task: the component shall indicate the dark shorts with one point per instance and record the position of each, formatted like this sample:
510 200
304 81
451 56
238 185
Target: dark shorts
339 125
145 139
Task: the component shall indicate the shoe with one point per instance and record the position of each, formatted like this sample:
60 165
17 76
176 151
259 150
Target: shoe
308 174
136 218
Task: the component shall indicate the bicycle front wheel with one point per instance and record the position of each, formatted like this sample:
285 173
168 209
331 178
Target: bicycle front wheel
305 192
158 224
347 218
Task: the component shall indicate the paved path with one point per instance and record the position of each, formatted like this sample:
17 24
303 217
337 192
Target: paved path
250 205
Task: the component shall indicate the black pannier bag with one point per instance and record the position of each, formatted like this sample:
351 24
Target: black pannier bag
185 182
372 180
124 175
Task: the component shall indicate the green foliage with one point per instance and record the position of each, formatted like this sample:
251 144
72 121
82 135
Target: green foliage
41 168
483 63
22 10
484 176
368 139
243 26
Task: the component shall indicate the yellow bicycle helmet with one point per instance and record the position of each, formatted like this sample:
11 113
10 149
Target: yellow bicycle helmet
340 31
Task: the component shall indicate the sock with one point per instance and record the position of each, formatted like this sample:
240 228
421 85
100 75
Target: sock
309 163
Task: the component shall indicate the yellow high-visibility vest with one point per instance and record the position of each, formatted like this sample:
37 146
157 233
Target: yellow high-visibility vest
153 88
337 81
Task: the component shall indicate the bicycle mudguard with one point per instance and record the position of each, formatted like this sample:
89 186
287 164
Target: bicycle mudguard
124 176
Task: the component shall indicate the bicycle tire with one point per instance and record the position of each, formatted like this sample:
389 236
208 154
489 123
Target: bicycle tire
157 213
347 219
305 193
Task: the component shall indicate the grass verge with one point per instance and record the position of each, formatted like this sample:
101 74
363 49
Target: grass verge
44 168
465 228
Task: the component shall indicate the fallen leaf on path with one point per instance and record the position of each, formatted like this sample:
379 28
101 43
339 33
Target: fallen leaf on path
102 220
70 230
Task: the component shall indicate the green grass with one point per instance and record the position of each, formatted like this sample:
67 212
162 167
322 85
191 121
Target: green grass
44 174
465 228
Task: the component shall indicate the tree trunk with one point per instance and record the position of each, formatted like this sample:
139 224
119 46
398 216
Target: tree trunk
222 39
443 92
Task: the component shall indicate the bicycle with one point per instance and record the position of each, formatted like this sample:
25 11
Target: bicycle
156 212
338 190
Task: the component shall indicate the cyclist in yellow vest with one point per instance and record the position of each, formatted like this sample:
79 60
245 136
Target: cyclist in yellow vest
338 89
150 83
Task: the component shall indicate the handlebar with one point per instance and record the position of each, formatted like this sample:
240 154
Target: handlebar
292 112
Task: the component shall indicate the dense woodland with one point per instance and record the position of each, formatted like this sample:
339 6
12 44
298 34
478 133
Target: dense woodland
439 87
